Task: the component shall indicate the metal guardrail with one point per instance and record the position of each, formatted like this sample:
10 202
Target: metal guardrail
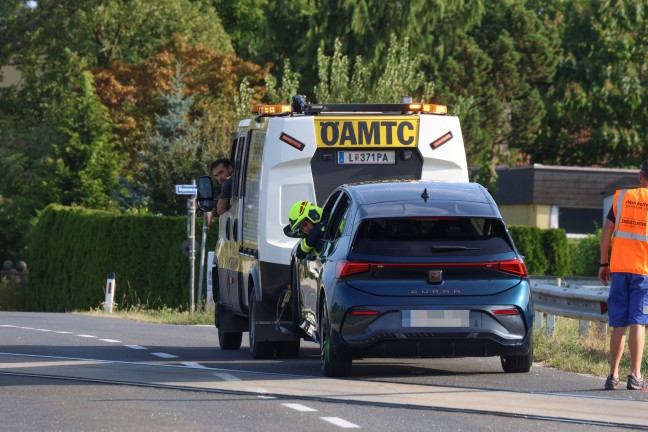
573 297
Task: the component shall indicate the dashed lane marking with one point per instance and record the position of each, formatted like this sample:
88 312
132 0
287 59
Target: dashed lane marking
86 336
227 377
299 407
44 330
110 340
164 355
194 365
137 347
337 421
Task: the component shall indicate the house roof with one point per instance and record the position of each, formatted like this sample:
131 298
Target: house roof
561 186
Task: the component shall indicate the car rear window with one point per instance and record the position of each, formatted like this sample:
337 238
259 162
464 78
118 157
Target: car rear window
431 237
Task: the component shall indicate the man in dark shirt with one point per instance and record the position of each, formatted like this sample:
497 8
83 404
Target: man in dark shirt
222 170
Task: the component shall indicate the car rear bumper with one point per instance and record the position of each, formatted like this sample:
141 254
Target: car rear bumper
429 345
502 327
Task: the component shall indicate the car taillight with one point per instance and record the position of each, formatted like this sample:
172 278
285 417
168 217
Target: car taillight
348 268
509 311
514 266
363 312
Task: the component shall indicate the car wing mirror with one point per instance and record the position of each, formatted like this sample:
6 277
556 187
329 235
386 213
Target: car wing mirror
205 196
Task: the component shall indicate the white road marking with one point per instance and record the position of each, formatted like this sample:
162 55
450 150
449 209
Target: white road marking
337 421
194 365
227 377
87 336
28 328
258 390
8 325
299 407
135 347
110 340
63 332
164 355
43 330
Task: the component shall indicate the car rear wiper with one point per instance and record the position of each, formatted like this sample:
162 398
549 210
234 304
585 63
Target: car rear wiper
449 248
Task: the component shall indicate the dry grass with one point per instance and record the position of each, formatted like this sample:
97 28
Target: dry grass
567 351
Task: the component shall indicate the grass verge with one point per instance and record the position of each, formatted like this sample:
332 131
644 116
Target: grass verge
568 351
160 316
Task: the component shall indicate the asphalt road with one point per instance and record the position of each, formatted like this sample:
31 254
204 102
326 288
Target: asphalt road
77 372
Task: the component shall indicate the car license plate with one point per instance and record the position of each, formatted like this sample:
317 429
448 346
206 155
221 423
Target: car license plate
436 318
386 157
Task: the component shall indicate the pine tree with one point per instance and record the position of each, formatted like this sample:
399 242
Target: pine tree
86 166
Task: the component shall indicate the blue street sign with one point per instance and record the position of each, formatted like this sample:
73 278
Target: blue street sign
186 189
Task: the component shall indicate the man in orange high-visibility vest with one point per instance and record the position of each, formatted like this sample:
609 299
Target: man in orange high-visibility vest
627 270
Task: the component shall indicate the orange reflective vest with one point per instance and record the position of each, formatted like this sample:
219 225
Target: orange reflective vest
630 244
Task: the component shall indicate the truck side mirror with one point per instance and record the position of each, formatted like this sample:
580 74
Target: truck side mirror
205 195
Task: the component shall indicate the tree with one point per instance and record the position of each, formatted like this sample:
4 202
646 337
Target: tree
498 69
132 92
86 167
51 43
174 153
597 103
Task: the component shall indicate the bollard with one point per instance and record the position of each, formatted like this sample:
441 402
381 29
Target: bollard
110 292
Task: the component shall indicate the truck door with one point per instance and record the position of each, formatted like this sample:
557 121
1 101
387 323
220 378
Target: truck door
234 223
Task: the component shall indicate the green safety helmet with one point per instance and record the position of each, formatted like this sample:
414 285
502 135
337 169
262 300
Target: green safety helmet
303 210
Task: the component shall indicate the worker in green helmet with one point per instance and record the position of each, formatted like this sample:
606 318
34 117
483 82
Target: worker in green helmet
305 221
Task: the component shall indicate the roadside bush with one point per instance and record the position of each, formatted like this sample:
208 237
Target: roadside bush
73 249
12 295
529 243
585 255
556 250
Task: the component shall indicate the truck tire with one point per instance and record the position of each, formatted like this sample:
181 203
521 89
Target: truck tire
258 349
227 340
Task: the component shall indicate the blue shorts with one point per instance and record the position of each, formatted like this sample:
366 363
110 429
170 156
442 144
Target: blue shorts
628 301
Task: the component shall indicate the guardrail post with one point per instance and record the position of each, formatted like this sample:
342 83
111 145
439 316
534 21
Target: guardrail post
538 320
600 330
551 324
583 328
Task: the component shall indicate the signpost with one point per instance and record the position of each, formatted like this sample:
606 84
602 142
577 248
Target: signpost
190 190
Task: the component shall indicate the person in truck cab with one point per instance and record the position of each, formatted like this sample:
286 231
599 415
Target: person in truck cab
305 221
222 169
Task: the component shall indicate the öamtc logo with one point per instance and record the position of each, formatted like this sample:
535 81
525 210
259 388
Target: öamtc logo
388 131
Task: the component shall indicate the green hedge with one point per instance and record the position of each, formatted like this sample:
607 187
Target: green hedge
528 241
73 249
548 252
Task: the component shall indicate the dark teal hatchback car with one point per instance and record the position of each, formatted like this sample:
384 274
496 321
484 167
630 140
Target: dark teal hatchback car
414 269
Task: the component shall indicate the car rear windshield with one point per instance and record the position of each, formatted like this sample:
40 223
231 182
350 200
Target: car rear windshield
417 237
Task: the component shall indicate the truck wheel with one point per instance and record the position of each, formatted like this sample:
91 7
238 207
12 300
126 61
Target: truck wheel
333 365
289 349
226 340
258 349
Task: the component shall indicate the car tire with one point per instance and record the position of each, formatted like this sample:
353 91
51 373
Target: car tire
289 349
227 340
333 365
518 364
258 349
